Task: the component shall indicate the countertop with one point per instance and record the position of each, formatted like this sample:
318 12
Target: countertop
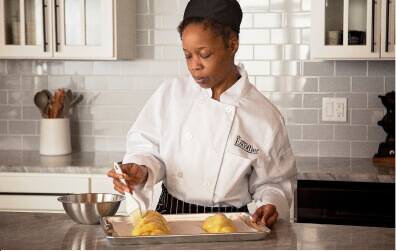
57 231
309 168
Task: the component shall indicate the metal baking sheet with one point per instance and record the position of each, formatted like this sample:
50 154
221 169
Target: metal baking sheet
186 228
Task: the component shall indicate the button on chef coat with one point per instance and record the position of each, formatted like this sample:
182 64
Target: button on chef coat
229 152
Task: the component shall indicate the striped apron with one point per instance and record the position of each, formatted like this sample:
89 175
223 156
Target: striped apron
168 204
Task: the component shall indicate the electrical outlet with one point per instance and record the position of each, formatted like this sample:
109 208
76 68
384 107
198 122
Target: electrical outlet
334 109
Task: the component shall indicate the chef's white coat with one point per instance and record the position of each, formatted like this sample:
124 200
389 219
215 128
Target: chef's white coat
213 153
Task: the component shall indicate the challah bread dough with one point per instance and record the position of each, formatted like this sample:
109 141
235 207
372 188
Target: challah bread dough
152 223
219 223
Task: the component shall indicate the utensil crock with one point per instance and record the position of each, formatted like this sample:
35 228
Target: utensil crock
55 136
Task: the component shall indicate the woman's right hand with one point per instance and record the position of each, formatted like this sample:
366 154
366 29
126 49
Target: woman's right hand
133 174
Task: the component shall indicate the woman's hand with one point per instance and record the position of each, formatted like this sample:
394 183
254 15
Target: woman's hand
133 174
268 215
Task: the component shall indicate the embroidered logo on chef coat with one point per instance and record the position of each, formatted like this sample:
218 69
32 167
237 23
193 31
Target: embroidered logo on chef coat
245 146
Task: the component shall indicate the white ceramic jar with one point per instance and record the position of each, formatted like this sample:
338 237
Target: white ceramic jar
55 136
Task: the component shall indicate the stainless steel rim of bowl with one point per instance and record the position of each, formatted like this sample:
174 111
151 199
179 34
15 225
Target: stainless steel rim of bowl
91 198
88 208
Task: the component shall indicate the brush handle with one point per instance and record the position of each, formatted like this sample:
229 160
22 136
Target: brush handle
118 170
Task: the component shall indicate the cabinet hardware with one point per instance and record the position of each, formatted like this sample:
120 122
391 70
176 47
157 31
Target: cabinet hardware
372 24
387 26
45 43
56 26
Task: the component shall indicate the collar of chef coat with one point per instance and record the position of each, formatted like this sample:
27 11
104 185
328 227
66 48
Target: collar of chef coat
232 94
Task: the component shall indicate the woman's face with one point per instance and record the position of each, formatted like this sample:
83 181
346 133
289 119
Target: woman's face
209 61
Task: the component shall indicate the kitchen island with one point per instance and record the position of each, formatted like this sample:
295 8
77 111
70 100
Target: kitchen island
22 230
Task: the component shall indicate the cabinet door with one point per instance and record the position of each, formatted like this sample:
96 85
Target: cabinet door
83 29
345 29
25 29
388 29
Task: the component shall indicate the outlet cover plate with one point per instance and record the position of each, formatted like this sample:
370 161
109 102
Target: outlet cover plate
334 109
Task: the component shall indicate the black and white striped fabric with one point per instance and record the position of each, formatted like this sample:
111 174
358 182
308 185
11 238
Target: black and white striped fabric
168 204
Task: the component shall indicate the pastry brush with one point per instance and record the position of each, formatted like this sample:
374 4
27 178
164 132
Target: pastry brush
132 205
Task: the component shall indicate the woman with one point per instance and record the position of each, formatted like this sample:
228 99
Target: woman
212 138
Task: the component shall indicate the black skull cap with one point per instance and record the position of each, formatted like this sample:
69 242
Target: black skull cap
226 12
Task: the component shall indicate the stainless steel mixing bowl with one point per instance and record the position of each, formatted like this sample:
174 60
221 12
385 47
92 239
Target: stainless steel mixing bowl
87 208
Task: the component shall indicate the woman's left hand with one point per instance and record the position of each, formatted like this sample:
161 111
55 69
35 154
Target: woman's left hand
268 215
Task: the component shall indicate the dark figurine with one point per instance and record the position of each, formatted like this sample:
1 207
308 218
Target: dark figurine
387 148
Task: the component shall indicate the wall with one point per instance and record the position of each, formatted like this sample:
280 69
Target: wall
274 48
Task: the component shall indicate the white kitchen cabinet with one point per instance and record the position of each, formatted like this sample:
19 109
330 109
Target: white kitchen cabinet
352 29
67 29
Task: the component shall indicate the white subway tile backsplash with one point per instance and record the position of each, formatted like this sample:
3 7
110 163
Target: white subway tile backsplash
381 68
22 127
350 132
78 68
247 20
135 67
315 100
363 149
285 68
65 82
268 52
285 36
302 84
34 82
245 52
334 84
306 36
274 48
11 142
19 67
20 97
172 21
318 132
373 101
389 84
142 7
108 98
254 5
107 68
285 5
145 52
296 52
136 98
354 100
351 68
144 21
298 20
257 67
50 67
366 117
271 84
376 133
287 100
3 127
173 52
334 148
268 20
10 82
3 67
305 148
294 131
31 112
368 84
3 97
254 36
303 116
93 83
325 68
